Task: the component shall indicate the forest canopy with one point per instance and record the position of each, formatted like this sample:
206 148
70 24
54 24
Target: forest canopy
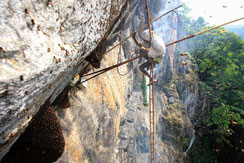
219 55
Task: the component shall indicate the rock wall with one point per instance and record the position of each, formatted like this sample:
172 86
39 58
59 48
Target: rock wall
43 45
106 121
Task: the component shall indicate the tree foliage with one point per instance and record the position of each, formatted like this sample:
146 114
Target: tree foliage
219 55
144 90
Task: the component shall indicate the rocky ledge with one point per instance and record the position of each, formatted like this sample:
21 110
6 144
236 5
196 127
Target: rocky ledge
43 45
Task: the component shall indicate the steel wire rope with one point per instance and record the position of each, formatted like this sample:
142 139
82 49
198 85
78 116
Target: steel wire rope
120 49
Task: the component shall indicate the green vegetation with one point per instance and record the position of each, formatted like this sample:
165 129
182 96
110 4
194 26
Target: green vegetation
202 151
175 106
183 142
219 55
144 90
173 82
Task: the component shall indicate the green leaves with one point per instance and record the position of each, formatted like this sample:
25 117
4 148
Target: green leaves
183 142
225 118
144 91
219 55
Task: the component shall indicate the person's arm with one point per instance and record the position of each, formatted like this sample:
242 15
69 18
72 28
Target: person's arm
137 42
143 50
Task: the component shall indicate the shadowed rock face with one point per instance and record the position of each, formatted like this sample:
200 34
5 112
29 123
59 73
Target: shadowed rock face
44 44
106 121
42 140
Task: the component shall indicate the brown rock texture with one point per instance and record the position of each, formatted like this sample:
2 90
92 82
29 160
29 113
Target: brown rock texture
44 44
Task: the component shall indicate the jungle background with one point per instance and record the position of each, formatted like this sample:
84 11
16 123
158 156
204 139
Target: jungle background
219 55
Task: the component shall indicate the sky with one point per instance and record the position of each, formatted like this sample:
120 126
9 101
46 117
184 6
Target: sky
217 11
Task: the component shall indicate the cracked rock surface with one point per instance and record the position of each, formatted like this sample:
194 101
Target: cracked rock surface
105 121
43 45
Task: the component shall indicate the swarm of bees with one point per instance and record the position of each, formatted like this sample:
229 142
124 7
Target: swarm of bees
2 50
234 123
183 54
21 77
49 2
27 11
33 21
55 59
184 63
38 28
26 92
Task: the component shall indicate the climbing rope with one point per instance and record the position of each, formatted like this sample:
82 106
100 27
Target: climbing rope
152 117
148 22
151 86
129 60
204 31
99 72
139 30
120 49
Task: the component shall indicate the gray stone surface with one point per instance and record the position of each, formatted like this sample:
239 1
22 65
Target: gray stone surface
131 140
45 45
171 100
106 121
131 115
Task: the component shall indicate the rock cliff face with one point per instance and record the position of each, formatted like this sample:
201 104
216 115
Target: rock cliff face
43 45
105 121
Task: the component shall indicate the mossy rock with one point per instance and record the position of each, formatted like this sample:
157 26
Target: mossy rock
176 106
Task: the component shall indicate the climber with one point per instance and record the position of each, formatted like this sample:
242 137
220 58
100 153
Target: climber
153 54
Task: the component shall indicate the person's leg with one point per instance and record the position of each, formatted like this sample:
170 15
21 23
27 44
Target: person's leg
151 79
144 52
144 66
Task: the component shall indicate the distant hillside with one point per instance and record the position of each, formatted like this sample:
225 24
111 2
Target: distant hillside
236 29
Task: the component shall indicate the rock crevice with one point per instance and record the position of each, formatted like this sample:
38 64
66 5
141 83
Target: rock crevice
44 44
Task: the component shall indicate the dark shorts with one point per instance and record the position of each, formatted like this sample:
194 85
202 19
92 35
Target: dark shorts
144 53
